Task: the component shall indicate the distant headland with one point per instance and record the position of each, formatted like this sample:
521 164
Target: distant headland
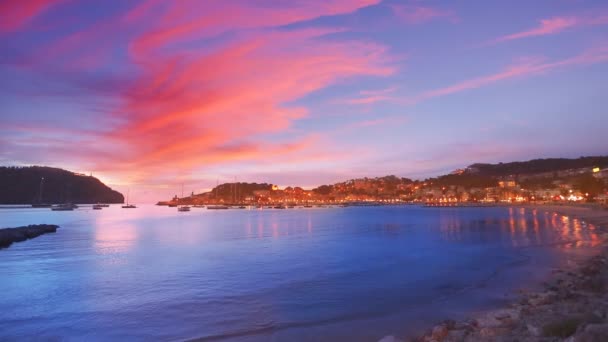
46 185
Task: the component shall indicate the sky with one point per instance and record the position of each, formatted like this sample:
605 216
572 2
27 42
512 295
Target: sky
149 95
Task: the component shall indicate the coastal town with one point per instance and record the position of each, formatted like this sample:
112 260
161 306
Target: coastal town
472 185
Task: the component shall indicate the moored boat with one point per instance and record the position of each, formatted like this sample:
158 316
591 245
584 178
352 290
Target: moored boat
215 207
64 207
182 208
128 206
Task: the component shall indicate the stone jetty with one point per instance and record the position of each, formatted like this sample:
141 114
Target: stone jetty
10 235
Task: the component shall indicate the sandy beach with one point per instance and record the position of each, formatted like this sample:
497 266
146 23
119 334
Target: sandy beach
573 306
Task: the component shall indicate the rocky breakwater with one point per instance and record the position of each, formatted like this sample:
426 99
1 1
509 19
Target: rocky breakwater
10 235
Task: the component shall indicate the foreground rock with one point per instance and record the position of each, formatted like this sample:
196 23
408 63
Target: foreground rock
10 235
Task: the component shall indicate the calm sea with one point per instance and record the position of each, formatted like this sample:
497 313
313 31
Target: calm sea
321 274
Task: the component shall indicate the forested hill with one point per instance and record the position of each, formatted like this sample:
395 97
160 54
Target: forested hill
536 166
21 185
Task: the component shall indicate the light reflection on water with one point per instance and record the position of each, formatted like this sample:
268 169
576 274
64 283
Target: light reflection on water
320 274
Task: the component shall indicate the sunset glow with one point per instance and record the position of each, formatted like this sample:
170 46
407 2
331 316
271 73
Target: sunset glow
149 95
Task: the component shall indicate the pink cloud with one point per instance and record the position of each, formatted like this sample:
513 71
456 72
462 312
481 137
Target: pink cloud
556 25
15 14
377 122
546 27
215 17
416 14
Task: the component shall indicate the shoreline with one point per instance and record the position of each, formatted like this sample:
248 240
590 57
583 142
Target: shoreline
573 306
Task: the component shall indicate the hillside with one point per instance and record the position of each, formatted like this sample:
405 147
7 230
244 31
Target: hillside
20 185
237 191
536 166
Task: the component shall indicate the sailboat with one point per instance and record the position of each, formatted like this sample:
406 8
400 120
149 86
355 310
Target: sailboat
129 206
183 208
67 206
39 203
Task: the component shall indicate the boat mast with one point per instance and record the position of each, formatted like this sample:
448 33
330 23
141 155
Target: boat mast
41 188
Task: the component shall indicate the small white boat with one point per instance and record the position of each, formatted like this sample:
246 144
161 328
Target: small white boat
63 207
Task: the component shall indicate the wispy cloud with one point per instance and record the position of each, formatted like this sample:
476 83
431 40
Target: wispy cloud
367 97
556 25
527 67
415 13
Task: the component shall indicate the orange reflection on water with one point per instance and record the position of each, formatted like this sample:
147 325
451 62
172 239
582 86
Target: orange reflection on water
595 239
275 230
309 226
523 224
512 230
450 225
260 227
511 222
536 225
577 229
114 238
249 227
